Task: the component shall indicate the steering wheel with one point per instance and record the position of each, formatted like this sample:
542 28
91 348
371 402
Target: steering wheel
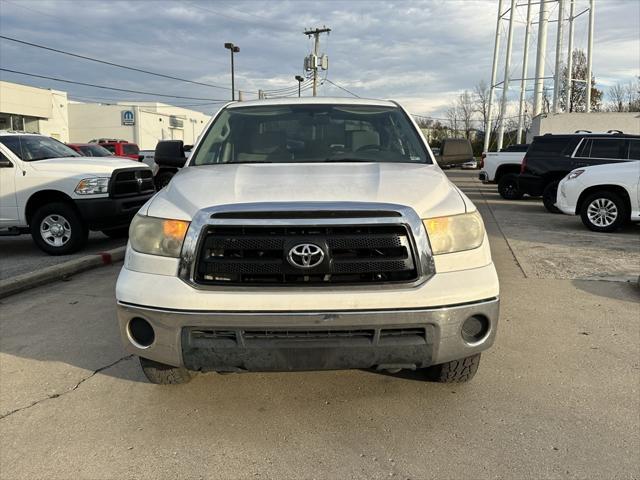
369 147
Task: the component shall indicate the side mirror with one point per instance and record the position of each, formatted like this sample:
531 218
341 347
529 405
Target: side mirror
187 148
141 158
170 153
455 151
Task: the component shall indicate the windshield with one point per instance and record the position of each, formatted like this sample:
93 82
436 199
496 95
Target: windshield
34 147
310 134
94 151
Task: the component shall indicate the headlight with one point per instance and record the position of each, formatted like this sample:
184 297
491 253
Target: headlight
455 233
574 174
157 236
93 186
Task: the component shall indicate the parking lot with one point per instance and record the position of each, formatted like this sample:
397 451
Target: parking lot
556 397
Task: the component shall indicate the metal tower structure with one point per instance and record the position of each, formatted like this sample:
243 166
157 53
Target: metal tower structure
509 15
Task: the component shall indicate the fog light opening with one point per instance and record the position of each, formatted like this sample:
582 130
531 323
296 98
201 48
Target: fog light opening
475 329
140 332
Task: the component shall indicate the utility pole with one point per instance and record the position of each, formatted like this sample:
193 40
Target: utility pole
311 62
505 83
523 80
494 72
557 74
567 103
540 57
589 56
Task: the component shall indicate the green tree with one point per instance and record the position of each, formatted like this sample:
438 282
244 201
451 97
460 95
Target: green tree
577 102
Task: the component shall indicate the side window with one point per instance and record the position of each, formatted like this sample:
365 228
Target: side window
111 148
12 142
129 149
634 150
584 149
4 161
607 148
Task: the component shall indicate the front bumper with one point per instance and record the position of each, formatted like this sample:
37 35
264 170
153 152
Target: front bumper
531 184
310 340
107 213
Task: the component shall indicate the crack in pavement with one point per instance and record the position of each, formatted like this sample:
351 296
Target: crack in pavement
75 387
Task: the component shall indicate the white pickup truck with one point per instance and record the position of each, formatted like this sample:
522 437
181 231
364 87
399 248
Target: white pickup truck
313 233
502 168
50 191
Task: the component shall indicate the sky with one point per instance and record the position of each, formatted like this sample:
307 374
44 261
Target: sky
420 53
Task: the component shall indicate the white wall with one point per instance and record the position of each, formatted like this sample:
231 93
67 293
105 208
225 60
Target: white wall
152 123
627 122
48 107
89 121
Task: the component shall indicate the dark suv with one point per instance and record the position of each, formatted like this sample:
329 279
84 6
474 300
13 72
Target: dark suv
551 157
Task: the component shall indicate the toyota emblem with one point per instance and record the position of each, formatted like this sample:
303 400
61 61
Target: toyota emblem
305 255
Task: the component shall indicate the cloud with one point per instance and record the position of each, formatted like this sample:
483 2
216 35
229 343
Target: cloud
422 53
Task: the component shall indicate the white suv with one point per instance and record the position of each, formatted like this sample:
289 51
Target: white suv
305 234
50 191
605 196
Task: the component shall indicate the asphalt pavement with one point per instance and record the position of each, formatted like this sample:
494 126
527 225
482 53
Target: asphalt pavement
556 397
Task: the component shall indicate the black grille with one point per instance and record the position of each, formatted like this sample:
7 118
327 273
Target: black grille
257 255
128 182
370 335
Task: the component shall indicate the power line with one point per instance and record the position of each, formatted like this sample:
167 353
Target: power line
117 65
342 88
287 89
109 88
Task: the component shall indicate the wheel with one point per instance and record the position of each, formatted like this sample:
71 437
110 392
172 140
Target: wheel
57 229
122 232
455 371
604 211
162 374
508 187
162 179
549 197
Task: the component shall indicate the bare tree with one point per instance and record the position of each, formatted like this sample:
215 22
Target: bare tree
618 96
453 117
481 101
465 108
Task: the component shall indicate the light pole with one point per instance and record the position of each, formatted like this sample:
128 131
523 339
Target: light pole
233 49
300 79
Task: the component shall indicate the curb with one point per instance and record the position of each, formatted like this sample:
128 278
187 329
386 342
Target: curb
50 274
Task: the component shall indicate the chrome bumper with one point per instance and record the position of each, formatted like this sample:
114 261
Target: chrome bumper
334 346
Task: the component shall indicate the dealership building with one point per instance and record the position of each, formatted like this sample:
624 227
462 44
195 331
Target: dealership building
51 113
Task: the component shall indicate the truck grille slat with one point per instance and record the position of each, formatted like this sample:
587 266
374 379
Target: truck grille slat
127 182
258 255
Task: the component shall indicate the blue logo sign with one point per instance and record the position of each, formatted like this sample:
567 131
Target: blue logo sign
128 117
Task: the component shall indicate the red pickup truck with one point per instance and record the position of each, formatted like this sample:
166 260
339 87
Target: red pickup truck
120 148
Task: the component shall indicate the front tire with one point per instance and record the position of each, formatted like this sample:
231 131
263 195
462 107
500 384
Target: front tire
162 374
604 211
455 371
57 229
508 187
549 197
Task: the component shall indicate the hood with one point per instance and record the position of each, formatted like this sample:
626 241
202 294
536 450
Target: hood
84 165
422 187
